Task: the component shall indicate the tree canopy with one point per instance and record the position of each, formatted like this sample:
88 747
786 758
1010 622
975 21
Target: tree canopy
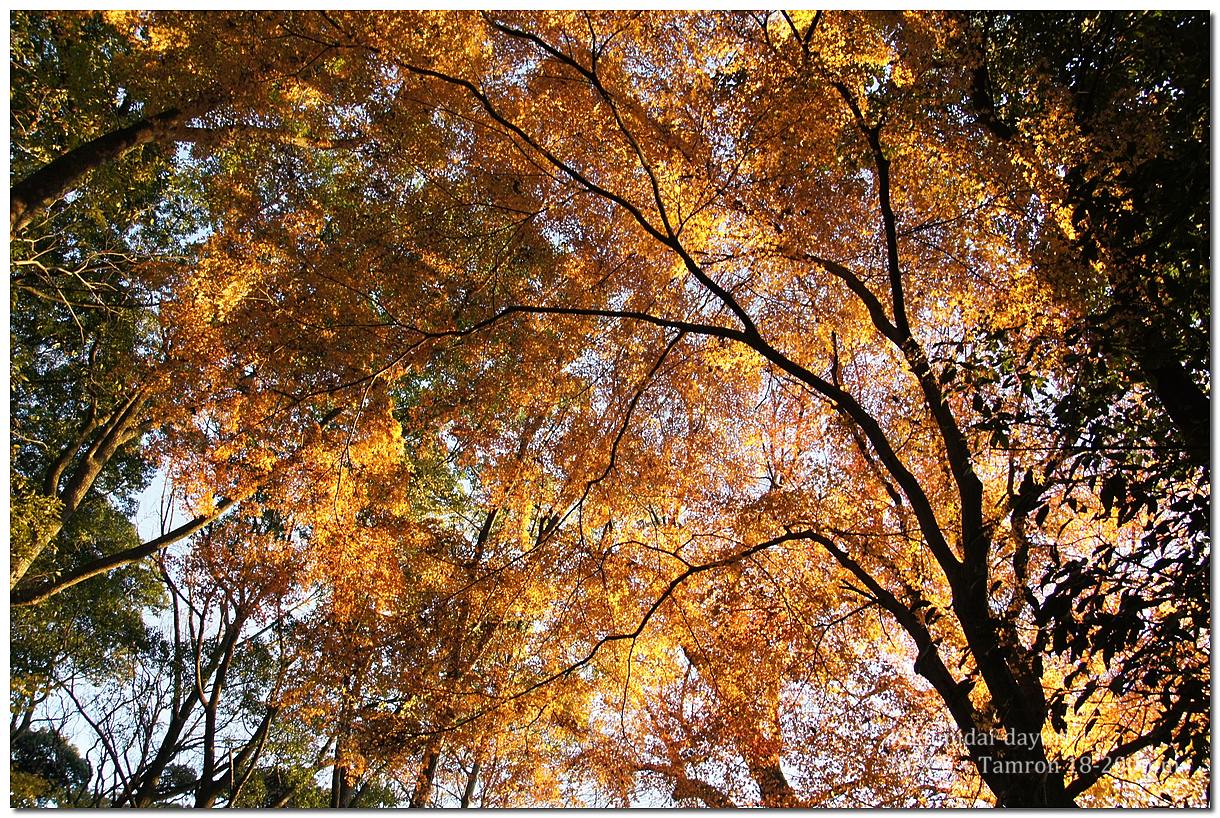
605 408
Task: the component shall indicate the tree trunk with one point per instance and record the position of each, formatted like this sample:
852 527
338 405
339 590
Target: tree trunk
471 781
711 797
773 786
421 796
120 427
340 788
1185 403
42 187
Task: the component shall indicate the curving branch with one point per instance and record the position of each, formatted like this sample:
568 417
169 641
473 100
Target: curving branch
749 335
626 636
221 134
1020 703
24 597
670 238
839 398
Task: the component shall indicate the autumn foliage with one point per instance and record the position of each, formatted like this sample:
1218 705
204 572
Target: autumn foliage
605 408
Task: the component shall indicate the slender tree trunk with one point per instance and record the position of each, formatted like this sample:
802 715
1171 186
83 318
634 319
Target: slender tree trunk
340 785
145 790
19 725
210 786
471 781
421 796
248 757
122 425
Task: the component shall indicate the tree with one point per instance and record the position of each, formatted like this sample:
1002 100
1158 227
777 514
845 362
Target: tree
618 363
102 216
165 97
51 768
1135 212
189 713
84 290
655 181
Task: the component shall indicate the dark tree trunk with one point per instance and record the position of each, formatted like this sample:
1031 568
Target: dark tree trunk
471 781
1185 403
422 794
42 187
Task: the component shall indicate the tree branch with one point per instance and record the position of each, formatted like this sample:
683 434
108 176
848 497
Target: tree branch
220 134
38 593
52 181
